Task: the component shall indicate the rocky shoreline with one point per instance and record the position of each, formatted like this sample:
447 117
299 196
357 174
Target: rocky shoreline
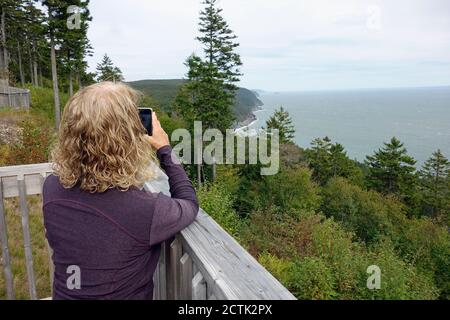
251 117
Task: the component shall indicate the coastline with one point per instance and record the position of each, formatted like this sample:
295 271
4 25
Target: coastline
249 120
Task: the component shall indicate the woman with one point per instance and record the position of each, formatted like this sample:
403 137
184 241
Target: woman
104 229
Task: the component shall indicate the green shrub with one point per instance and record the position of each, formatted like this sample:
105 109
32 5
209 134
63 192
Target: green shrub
34 146
269 232
292 191
280 268
42 101
218 203
345 256
311 279
367 213
427 245
4 154
399 280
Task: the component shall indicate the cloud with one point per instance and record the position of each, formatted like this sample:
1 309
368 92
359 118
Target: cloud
288 44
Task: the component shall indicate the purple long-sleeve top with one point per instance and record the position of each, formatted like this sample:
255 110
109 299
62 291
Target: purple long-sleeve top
112 240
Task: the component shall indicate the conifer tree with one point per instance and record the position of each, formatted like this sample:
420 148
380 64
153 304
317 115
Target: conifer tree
56 27
212 78
435 184
329 160
392 171
77 46
107 71
34 36
9 22
282 121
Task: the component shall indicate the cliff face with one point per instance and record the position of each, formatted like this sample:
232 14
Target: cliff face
164 91
246 103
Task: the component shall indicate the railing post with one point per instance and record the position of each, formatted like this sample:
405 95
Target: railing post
198 287
162 272
26 236
172 269
51 266
159 277
5 250
186 277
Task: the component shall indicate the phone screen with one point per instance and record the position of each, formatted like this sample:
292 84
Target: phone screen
146 118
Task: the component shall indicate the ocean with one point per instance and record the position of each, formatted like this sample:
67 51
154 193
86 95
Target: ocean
362 120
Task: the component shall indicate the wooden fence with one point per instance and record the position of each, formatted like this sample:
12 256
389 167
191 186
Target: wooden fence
14 97
203 262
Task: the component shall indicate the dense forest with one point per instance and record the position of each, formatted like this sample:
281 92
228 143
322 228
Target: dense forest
317 225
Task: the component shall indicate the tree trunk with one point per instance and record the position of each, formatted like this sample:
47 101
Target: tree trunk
35 67
31 67
41 81
80 84
4 72
22 75
35 73
70 83
55 84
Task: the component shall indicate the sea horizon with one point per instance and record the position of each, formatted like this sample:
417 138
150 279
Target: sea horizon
260 91
363 119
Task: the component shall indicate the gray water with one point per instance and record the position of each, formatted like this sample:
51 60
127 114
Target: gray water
362 120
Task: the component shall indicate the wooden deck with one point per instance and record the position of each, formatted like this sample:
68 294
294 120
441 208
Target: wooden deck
203 262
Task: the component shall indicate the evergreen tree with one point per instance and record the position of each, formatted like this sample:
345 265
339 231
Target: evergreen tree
35 42
9 23
211 88
282 121
319 159
435 185
219 44
56 27
107 71
392 171
76 44
329 160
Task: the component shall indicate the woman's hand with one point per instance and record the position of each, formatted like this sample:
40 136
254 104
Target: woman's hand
159 138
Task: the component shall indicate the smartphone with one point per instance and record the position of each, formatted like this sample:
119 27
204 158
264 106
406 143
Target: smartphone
146 118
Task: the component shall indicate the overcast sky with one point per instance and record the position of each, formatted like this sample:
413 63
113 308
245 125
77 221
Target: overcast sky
285 45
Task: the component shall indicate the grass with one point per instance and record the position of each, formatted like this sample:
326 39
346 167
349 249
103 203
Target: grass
17 252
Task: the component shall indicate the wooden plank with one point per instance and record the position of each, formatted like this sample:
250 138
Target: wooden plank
6 259
51 266
21 170
186 277
162 273
198 287
170 277
156 290
194 267
26 238
174 278
32 175
229 270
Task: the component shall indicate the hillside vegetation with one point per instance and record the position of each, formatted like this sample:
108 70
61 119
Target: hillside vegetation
164 91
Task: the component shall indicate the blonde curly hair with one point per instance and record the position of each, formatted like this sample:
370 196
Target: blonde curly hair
102 143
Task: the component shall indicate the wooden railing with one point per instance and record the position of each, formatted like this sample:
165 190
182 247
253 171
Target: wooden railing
14 97
203 262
